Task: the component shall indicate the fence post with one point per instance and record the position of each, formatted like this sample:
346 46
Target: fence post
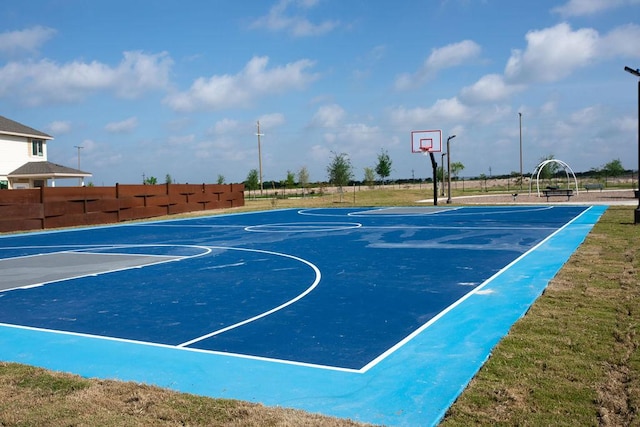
42 224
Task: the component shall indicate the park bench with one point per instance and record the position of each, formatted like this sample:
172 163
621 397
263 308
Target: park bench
552 191
594 186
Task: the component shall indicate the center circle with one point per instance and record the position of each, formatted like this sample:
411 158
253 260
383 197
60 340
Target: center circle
303 227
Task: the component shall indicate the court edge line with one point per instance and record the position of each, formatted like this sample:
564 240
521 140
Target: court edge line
530 208
409 337
174 347
268 312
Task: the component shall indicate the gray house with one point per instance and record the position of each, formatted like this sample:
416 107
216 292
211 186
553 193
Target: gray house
23 158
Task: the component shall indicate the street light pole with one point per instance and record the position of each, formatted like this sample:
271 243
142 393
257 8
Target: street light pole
521 177
258 134
449 169
442 174
636 73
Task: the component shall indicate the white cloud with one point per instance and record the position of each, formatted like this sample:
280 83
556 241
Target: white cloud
27 40
319 154
552 54
328 116
123 126
586 116
59 127
280 19
225 126
140 72
620 41
270 121
627 124
448 56
359 140
443 111
590 7
489 88
239 90
37 83
181 139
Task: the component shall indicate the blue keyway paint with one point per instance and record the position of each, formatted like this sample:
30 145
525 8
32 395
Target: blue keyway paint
381 315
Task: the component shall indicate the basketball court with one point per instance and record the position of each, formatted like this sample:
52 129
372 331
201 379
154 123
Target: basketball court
381 315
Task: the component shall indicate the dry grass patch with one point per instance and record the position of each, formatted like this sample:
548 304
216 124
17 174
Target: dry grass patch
35 397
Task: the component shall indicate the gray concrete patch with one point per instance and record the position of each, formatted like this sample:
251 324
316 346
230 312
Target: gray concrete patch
44 268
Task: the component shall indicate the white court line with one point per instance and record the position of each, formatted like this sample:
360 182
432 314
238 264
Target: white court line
303 227
429 211
170 346
273 310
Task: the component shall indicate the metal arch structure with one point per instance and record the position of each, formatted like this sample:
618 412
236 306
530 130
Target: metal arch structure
540 167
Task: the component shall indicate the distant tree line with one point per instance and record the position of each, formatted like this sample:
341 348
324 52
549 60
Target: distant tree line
340 173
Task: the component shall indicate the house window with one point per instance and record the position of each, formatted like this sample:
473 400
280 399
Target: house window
37 147
4 184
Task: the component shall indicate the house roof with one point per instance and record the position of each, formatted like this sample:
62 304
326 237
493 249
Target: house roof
10 127
46 169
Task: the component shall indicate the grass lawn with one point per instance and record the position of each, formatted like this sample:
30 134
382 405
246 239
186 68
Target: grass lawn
572 360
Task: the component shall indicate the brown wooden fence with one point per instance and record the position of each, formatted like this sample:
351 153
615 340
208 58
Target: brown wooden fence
51 207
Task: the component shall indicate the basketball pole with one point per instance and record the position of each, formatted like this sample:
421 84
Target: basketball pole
434 165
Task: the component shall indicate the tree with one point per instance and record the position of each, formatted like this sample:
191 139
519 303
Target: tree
252 181
340 171
220 179
152 180
383 168
483 178
441 176
456 168
290 182
550 169
167 179
369 177
613 169
303 178
517 179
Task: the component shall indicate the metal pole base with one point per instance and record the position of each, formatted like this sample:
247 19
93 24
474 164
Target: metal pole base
636 216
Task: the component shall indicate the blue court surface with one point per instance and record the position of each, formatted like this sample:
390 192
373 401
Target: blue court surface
381 315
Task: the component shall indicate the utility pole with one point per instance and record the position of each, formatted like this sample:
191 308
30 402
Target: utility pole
258 134
79 147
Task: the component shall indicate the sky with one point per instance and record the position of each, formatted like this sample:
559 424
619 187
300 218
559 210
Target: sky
157 88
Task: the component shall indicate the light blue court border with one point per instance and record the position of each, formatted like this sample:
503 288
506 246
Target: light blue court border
413 386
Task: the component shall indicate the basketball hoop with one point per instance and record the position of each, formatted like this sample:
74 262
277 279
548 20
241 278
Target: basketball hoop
425 150
426 141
